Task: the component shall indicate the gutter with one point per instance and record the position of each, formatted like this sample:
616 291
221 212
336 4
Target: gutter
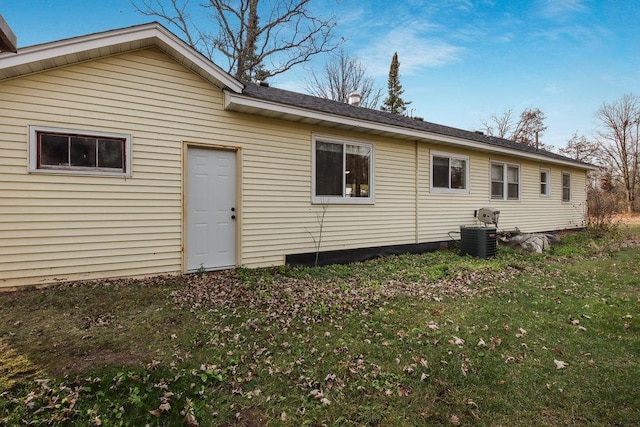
242 103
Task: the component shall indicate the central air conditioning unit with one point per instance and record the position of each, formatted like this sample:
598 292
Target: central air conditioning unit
482 241
478 241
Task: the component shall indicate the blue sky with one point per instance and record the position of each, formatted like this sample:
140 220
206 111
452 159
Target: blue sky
460 60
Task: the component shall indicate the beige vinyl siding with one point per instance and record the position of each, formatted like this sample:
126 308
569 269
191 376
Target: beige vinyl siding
278 216
534 212
443 213
66 227
440 213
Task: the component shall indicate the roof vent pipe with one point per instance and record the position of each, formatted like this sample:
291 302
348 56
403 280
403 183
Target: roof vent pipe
354 98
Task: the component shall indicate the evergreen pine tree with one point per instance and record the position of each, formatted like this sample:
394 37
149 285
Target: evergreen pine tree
394 102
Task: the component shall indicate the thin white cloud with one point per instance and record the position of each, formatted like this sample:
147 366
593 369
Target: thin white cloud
561 9
460 5
582 33
552 88
415 52
505 37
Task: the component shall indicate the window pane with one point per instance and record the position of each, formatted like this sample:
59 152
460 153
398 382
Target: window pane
496 173
566 187
83 151
357 172
543 188
458 173
497 190
512 183
328 169
54 150
110 153
497 182
440 172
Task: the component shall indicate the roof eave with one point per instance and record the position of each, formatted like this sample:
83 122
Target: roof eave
8 40
243 103
78 49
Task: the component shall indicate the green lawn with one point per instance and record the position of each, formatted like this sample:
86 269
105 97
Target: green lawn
432 339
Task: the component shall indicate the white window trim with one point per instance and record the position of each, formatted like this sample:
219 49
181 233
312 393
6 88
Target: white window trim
563 187
33 151
342 199
449 190
548 172
505 183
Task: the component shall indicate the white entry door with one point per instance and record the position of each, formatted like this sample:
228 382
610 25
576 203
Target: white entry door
211 210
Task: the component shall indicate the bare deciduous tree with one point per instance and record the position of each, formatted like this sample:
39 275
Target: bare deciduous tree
249 33
499 126
530 126
526 129
618 136
341 76
580 148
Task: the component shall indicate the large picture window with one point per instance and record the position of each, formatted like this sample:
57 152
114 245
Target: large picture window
505 181
566 187
343 172
66 151
449 173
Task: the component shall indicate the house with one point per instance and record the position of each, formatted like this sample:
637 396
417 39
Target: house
128 153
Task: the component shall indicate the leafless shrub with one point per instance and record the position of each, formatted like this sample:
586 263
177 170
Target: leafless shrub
602 211
317 241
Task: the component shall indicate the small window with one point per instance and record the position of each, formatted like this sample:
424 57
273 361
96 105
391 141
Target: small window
544 182
449 173
76 152
505 180
343 172
566 187
497 181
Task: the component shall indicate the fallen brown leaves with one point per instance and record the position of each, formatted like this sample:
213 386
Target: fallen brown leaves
311 300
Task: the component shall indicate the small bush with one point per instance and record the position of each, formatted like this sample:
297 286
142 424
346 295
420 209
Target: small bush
602 214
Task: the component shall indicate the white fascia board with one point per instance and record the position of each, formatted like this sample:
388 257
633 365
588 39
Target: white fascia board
76 45
232 99
198 59
153 33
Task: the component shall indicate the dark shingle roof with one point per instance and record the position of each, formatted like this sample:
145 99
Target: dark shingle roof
299 100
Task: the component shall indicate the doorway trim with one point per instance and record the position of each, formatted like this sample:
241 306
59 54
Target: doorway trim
239 209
